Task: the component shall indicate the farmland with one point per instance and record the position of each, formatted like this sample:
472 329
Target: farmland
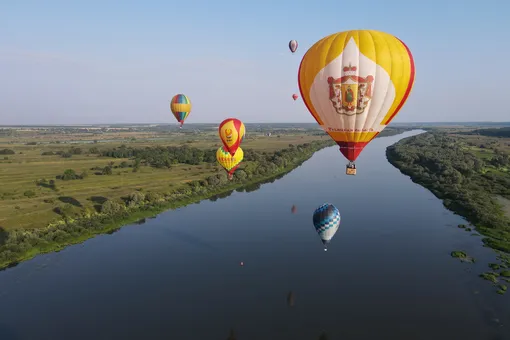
28 201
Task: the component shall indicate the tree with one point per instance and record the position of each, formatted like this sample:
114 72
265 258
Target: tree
111 207
69 174
7 152
107 170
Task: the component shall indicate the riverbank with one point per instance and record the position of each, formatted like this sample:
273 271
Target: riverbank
21 245
469 183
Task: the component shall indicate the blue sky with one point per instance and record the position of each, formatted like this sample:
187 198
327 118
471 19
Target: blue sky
88 62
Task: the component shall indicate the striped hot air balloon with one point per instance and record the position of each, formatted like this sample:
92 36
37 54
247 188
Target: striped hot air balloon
181 107
229 162
326 220
354 83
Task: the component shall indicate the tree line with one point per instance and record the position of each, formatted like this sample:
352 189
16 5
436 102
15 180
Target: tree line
467 184
492 132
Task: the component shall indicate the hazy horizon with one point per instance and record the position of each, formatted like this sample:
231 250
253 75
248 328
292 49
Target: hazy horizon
116 63
392 124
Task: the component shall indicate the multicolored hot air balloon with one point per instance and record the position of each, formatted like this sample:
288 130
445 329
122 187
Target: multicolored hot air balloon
231 132
326 220
229 162
293 45
354 83
295 96
181 107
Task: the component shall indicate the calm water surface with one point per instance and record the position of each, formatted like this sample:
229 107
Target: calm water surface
387 273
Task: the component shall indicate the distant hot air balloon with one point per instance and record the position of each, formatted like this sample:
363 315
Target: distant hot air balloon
231 132
326 220
290 299
354 83
229 162
181 107
293 209
295 96
293 45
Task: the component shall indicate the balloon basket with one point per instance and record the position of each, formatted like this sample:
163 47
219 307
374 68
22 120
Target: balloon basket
350 171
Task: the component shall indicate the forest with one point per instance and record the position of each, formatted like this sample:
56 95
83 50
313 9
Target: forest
471 178
494 132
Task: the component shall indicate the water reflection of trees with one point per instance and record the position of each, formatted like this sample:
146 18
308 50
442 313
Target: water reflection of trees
247 188
232 336
221 195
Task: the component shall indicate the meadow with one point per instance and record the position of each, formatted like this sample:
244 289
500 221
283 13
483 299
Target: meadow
27 201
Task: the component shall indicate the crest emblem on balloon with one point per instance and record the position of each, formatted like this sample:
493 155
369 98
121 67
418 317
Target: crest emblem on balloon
350 94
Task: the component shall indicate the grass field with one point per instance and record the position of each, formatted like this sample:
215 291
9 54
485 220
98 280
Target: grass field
484 147
24 204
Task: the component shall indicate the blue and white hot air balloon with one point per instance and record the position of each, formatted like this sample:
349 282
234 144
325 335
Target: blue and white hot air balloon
326 220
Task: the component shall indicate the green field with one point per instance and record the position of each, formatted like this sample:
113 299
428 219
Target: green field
25 204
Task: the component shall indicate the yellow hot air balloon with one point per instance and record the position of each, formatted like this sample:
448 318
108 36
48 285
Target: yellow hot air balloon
231 132
354 83
229 162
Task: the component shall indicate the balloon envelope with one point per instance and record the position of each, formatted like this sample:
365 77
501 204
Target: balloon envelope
295 96
181 107
354 83
229 162
293 45
231 132
326 220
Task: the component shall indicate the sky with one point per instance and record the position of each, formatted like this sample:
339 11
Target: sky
99 62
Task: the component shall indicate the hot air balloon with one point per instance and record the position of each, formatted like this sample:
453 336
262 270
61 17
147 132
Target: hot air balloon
293 45
229 162
354 83
326 220
290 299
231 132
181 107
295 96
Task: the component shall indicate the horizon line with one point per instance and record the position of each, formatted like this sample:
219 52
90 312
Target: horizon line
211 123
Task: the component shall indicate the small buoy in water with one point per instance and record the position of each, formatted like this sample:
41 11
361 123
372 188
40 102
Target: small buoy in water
242 263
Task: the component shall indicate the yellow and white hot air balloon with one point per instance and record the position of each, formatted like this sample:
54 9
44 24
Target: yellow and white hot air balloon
354 83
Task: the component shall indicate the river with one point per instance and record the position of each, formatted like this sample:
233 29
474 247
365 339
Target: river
387 273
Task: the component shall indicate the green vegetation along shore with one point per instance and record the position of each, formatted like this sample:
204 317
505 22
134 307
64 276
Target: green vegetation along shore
470 173
22 244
